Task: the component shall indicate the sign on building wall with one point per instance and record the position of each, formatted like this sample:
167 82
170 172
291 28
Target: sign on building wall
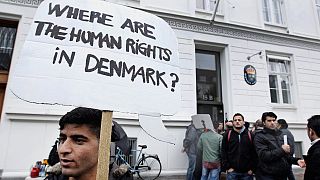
100 55
250 75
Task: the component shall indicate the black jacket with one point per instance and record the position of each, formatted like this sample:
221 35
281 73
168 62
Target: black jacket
313 163
273 160
239 155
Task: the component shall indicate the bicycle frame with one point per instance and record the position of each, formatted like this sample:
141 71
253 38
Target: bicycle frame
132 169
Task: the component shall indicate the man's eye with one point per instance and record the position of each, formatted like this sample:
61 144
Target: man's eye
61 140
79 140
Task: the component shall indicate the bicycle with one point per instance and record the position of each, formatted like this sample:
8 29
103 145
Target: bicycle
147 167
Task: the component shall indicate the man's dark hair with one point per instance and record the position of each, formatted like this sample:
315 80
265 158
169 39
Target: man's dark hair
81 115
314 124
238 114
270 114
258 123
283 124
246 125
215 124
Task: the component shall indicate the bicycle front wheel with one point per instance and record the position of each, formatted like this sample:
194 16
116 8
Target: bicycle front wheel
149 168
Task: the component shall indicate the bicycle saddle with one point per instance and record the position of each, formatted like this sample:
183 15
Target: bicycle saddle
143 146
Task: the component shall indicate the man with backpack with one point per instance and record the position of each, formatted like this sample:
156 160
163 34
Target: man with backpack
238 153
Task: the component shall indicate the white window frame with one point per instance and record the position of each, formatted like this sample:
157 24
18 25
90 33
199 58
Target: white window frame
278 74
209 6
270 12
317 4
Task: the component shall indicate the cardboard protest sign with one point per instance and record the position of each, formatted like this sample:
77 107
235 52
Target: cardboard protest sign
100 55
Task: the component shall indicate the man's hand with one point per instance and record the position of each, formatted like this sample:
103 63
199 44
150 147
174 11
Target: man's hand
286 148
230 170
250 172
301 163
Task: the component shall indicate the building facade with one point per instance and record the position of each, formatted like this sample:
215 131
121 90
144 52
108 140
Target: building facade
279 39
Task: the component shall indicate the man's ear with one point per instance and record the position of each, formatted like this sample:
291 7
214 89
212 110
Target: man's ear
310 132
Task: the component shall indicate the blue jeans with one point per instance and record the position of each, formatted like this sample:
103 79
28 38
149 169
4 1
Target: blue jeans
212 174
236 176
192 164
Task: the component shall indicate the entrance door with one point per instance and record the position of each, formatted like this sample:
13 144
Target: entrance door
209 98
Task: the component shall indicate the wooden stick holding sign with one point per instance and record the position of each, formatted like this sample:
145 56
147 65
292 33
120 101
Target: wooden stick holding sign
104 146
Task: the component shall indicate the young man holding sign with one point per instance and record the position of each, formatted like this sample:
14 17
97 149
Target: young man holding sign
78 145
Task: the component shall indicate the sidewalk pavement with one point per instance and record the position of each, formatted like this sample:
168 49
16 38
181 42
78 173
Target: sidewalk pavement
297 171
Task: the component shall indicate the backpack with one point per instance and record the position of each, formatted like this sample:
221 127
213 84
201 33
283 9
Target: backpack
53 155
229 134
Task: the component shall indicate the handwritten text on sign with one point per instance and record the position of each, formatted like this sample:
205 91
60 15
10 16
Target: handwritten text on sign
101 55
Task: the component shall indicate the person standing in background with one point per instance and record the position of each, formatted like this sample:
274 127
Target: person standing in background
210 144
190 147
283 126
312 160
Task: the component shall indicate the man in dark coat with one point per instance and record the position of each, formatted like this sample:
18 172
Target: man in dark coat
274 159
190 147
238 153
312 160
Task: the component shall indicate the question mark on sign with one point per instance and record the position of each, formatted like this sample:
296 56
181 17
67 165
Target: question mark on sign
175 81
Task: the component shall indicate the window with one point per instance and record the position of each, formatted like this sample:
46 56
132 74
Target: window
209 5
8 30
209 99
298 149
318 9
273 12
279 79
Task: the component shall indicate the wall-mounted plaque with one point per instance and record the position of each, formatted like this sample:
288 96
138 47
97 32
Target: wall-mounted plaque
250 74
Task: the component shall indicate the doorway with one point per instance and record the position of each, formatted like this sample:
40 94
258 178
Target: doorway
208 84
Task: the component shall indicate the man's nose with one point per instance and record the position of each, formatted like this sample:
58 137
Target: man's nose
65 147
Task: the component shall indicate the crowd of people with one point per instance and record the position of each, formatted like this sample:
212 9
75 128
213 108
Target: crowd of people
265 152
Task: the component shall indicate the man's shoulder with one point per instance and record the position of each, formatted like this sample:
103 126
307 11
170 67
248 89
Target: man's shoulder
316 147
260 134
215 134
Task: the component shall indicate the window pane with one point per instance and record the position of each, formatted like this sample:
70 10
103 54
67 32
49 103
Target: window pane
205 61
277 11
318 8
274 95
285 90
284 68
266 11
273 82
298 149
286 96
284 82
7 37
273 65
200 4
211 5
